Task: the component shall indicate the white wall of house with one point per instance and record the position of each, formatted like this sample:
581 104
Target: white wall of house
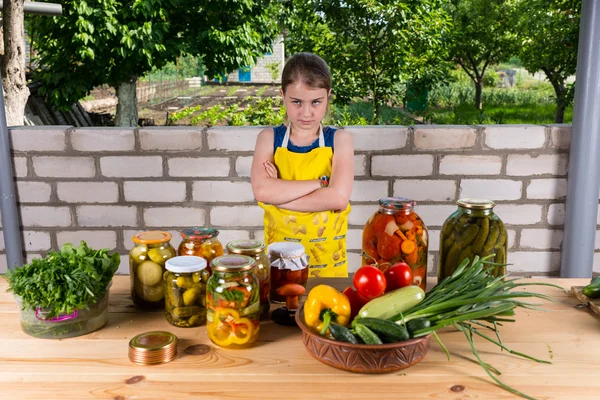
260 73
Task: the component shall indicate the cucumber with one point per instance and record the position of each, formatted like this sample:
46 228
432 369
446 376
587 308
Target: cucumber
484 229
392 303
592 290
468 235
417 324
367 335
387 330
342 334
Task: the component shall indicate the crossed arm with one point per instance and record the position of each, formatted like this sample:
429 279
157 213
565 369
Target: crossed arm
307 195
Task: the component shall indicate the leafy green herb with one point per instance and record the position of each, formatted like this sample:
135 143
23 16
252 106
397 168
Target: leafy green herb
64 281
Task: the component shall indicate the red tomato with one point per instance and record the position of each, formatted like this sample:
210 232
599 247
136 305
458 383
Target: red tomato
397 276
356 301
369 282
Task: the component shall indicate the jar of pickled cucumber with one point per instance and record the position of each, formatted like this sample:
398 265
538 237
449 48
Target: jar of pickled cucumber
233 302
201 242
472 230
262 269
395 233
185 291
147 261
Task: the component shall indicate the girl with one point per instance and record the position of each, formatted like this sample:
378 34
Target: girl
302 173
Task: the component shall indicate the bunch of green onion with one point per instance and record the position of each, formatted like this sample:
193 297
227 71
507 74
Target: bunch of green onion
472 300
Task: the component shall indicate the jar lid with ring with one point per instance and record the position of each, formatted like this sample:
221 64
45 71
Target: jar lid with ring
245 247
199 234
476 204
392 205
151 237
232 263
185 264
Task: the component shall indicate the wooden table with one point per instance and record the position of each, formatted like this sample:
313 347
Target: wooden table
278 367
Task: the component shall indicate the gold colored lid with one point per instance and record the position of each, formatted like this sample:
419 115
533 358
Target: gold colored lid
476 204
232 263
151 237
249 247
153 347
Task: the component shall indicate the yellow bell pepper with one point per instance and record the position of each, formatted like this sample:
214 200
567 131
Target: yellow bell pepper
325 305
233 329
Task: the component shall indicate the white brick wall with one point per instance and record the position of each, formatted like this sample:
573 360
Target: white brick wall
131 167
445 138
103 185
515 137
470 165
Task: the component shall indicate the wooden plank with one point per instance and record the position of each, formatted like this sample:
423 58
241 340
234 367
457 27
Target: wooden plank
278 366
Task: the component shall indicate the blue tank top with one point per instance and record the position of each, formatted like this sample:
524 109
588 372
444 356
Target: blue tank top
279 134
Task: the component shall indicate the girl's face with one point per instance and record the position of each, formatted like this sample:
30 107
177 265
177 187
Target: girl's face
305 106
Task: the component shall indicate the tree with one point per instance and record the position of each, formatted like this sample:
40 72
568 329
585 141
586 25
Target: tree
16 92
116 41
549 31
372 48
483 35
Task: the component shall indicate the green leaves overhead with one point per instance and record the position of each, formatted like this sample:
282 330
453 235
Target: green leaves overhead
99 42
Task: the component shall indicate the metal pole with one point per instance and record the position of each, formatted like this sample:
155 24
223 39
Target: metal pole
39 8
584 161
8 199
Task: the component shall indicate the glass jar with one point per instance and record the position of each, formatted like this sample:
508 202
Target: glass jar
262 269
395 233
233 302
201 242
472 230
185 291
146 268
289 264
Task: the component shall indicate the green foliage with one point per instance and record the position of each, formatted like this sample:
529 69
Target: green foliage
549 32
64 281
372 48
111 41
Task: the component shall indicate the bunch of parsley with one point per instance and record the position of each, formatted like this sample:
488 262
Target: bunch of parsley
64 281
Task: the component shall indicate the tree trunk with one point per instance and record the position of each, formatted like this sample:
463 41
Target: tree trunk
561 102
127 107
478 92
16 91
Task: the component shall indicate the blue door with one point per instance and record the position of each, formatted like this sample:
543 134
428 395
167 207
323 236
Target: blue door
245 74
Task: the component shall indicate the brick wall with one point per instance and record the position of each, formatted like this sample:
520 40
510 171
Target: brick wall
259 72
104 184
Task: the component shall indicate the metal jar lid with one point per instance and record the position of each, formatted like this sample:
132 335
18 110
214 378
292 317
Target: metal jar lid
232 263
391 205
199 234
154 347
151 237
245 247
476 204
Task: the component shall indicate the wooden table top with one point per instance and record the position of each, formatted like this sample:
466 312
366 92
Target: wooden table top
278 367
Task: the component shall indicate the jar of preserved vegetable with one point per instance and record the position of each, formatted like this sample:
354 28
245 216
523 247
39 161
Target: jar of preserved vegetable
201 242
262 269
289 264
396 233
472 230
233 302
185 291
146 268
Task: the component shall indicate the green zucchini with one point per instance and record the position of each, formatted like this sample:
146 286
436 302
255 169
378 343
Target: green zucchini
342 334
387 330
367 335
593 289
417 324
392 303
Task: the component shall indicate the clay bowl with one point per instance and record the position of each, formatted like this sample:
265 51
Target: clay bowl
362 358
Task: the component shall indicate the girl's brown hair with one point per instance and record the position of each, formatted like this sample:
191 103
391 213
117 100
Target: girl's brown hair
308 68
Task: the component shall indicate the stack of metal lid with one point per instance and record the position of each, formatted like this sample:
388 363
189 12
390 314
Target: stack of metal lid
155 347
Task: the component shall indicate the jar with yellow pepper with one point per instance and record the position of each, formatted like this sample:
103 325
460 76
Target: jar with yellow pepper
201 242
262 269
233 302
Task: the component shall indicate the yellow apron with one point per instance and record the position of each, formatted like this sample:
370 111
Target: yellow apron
323 234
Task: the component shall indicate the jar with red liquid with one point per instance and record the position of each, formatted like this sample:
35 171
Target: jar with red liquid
396 233
289 264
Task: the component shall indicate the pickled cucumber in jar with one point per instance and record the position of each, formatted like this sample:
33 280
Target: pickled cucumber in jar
147 266
472 230
185 291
